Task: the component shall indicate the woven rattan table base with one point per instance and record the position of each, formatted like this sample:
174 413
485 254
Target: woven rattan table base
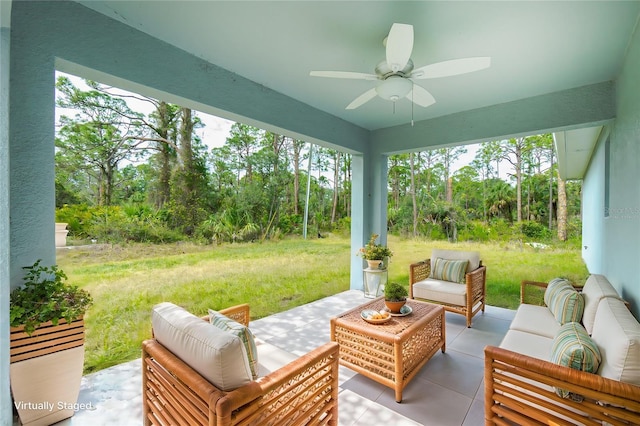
390 353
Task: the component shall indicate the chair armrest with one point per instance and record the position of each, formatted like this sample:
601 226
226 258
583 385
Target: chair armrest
303 389
535 284
476 280
539 285
238 313
419 271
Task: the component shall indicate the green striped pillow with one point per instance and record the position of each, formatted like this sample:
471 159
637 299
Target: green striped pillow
554 286
449 270
572 347
564 301
246 336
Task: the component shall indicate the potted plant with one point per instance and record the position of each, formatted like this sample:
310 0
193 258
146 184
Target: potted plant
374 253
47 345
395 296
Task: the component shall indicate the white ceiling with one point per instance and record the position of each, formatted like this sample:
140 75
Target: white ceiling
535 47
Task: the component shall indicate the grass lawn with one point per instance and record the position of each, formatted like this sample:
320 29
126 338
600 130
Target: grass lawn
126 282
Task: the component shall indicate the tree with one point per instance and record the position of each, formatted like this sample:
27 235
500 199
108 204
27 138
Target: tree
163 123
513 150
448 156
102 135
243 142
189 181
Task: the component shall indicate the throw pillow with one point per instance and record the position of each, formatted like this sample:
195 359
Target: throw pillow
564 301
572 347
227 324
554 286
449 270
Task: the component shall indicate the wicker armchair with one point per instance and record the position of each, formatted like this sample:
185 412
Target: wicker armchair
303 392
467 300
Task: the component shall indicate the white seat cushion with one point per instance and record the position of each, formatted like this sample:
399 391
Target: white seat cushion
617 334
535 319
596 288
529 344
441 291
220 357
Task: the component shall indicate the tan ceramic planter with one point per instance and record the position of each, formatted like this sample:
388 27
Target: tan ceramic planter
46 371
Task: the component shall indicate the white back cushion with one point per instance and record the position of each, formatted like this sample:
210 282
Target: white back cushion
596 287
218 356
472 256
617 334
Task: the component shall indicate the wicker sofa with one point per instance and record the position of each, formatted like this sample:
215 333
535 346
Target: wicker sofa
525 383
194 375
464 295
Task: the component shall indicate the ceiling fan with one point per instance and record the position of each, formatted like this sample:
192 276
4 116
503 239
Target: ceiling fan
396 72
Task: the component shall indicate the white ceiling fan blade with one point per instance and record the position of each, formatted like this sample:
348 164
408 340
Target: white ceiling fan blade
344 74
452 67
399 46
420 96
363 99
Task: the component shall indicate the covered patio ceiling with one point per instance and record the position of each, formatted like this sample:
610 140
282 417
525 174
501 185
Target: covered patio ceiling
537 50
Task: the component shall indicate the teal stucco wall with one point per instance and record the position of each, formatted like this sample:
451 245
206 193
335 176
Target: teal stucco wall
613 241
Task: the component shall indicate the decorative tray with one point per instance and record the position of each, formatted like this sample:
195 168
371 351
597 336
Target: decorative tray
367 316
404 311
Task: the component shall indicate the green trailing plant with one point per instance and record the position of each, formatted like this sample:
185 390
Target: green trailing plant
395 292
373 251
46 297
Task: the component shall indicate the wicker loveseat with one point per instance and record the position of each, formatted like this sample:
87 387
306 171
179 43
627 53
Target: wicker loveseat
289 390
526 381
430 281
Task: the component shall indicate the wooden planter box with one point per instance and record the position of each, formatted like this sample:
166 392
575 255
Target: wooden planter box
46 371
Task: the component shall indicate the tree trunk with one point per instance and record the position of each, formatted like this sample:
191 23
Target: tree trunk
413 194
551 191
449 197
296 175
186 150
562 210
336 186
164 186
519 180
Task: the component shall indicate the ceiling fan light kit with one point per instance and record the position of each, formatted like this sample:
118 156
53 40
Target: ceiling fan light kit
396 73
394 88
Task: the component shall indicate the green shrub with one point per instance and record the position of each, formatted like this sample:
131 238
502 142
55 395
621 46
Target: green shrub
474 231
535 230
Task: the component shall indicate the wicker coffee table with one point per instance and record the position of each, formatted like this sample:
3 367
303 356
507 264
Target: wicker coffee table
391 353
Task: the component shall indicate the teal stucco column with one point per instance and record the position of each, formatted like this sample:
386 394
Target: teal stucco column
368 207
6 412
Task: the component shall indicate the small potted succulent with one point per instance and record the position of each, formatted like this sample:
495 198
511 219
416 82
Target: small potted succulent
374 253
47 345
395 296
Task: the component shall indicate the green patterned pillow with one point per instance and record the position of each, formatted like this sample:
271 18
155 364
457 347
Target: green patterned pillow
555 286
227 324
564 301
572 347
449 270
